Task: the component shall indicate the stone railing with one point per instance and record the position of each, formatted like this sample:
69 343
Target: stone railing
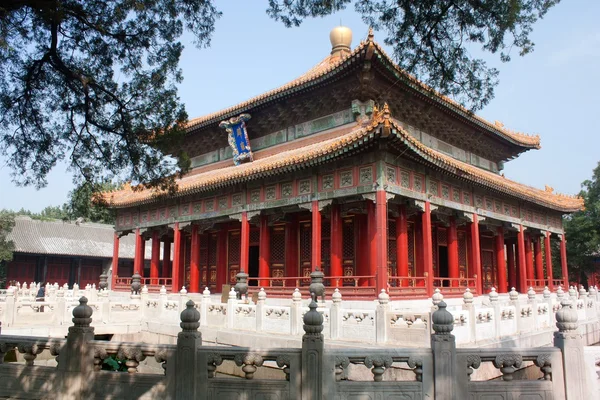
190 370
524 319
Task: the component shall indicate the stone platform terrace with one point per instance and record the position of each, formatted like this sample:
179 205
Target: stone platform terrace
317 368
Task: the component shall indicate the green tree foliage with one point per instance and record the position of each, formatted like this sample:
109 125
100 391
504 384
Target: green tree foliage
7 221
93 82
431 38
85 203
582 230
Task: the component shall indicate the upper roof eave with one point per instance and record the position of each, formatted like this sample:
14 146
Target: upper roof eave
365 50
319 152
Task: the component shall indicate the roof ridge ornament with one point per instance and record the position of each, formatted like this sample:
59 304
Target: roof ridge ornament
238 138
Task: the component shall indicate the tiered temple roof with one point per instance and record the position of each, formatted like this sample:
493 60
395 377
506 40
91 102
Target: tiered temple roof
341 142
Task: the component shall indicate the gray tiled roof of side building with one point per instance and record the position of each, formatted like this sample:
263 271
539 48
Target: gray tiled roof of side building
70 239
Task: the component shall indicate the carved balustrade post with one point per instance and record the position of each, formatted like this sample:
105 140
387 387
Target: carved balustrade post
76 366
381 321
183 299
260 309
296 312
190 380
493 298
144 307
443 346
470 308
59 310
570 342
232 302
313 354
335 315
8 317
204 303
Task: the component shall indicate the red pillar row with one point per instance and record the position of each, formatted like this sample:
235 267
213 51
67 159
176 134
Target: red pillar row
264 257
512 271
177 258
548 254
522 281
427 248
453 267
195 261
336 241
529 260
402 244
155 257
316 236
115 261
245 243
381 282
476 254
291 250
371 242
500 261
140 244
563 260
166 264
539 263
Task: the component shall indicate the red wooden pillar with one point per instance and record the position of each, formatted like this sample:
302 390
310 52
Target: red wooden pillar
539 263
371 243
264 249
548 254
427 248
115 261
476 254
529 260
512 272
522 263
381 214
245 244
336 241
453 268
500 261
138 262
402 244
177 258
291 251
222 271
563 260
166 264
316 236
155 258
195 261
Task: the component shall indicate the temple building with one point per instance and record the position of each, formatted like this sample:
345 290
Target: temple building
66 252
356 169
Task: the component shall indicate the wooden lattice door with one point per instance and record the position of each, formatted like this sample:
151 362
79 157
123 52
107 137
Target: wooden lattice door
305 250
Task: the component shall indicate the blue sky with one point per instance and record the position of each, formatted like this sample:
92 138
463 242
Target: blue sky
553 92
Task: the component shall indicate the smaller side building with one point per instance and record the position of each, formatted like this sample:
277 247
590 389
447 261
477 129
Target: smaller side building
65 252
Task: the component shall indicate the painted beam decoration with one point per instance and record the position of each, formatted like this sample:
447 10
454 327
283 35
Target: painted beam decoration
238 138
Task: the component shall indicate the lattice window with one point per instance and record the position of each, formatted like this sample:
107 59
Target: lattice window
348 247
462 249
234 247
305 244
278 245
442 237
488 269
486 243
254 237
212 250
391 228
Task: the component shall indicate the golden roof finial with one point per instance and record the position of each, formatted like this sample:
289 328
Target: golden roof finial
549 189
371 35
341 40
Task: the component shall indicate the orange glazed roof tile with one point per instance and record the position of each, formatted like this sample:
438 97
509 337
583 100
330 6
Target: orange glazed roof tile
321 151
366 49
